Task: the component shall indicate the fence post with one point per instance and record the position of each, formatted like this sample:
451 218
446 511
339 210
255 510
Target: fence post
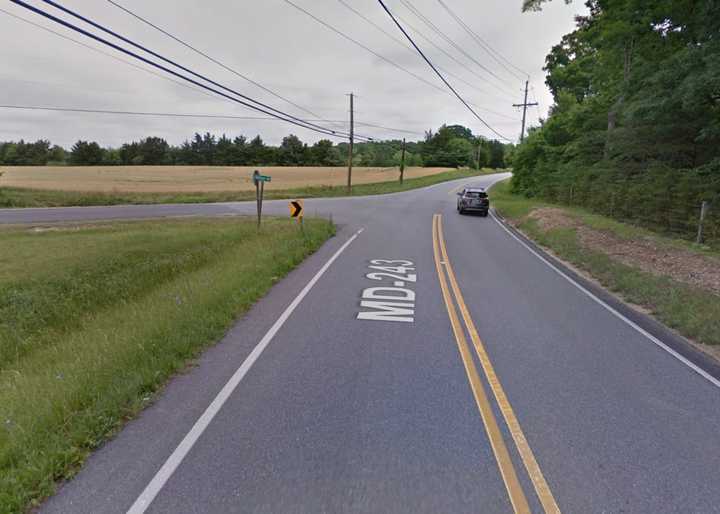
703 212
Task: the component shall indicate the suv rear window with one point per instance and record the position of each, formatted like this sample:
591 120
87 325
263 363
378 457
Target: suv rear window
475 194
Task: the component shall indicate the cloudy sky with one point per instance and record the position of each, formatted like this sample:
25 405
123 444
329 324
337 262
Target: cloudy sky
284 50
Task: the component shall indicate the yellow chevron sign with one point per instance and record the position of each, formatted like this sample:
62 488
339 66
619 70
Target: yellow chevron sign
296 209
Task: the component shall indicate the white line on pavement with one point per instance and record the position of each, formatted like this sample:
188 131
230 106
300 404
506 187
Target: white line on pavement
634 325
177 456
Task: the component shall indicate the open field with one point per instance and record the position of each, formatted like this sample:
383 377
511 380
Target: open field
191 179
22 197
94 318
676 281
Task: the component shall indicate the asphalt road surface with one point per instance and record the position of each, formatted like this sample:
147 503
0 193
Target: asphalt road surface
421 361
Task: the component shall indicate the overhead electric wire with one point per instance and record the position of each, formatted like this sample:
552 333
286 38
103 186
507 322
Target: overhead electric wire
213 60
135 113
401 43
484 44
159 75
376 54
390 129
450 56
173 63
283 116
106 54
358 43
452 43
438 73
408 47
182 115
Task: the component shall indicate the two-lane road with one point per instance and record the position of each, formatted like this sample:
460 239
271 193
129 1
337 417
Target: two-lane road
422 361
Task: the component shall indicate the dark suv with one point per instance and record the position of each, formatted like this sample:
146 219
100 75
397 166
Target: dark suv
473 199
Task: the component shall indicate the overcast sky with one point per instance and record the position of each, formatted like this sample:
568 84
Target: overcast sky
286 51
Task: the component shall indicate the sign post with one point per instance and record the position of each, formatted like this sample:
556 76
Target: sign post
259 181
296 211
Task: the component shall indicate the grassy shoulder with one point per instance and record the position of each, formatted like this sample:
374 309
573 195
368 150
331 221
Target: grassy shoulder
94 319
19 197
693 309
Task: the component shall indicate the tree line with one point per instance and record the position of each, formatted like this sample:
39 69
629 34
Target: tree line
450 146
634 131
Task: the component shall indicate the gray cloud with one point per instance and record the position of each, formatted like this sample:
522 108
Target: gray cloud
277 46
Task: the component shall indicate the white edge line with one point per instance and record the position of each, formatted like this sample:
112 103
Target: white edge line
171 464
613 311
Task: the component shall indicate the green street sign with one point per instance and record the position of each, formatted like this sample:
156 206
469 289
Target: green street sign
257 178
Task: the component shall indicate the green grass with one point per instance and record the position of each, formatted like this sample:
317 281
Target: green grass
94 319
693 312
19 197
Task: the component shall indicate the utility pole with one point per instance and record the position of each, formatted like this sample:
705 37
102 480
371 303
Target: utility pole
524 105
352 141
402 163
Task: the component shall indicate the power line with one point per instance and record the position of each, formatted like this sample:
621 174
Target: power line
376 54
182 115
452 43
282 116
135 113
390 129
211 59
438 73
404 45
358 43
157 114
449 55
408 47
484 44
151 72
106 54
171 62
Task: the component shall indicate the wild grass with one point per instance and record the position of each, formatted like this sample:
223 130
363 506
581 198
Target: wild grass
93 320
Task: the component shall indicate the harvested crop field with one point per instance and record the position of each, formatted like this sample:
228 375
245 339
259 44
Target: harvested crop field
184 179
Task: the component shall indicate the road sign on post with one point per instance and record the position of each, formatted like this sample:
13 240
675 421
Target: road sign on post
259 181
296 209
257 178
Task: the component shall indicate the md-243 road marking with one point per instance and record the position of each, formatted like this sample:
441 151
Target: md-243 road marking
392 299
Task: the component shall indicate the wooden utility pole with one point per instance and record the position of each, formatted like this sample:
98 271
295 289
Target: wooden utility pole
352 142
402 163
524 105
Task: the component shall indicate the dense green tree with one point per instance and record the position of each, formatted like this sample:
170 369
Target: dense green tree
451 146
259 154
154 151
292 152
323 153
636 110
25 153
57 155
85 153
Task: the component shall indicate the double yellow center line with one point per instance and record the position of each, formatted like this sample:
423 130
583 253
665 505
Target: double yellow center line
507 469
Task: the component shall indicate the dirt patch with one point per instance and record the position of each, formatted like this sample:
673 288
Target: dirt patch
646 253
549 218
